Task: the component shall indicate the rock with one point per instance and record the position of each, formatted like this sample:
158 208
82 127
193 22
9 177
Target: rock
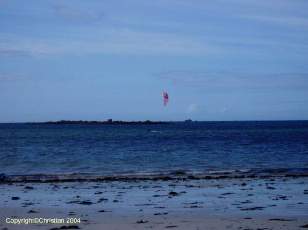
70 227
270 187
15 198
85 202
102 199
142 221
32 211
280 219
173 193
227 193
29 187
252 209
160 213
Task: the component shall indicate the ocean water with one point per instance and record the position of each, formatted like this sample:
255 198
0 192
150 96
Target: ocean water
120 149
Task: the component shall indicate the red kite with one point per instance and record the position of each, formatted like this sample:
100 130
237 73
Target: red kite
165 98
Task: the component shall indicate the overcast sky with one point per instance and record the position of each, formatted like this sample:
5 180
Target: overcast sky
93 60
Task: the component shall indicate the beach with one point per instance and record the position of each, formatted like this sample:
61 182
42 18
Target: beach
164 114
272 202
178 175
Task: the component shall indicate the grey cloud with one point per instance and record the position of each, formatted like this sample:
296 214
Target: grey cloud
281 20
7 77
112 41
236 80
14 52
77 15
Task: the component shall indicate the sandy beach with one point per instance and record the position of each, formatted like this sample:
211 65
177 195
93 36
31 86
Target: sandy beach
246 203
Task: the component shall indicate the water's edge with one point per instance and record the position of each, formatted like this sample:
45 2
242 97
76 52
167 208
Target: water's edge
177 175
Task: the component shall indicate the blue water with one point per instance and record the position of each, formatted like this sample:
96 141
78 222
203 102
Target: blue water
117 149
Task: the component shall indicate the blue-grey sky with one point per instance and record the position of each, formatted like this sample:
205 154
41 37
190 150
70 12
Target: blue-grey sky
93 60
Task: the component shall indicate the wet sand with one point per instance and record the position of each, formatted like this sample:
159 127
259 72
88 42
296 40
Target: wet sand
243 204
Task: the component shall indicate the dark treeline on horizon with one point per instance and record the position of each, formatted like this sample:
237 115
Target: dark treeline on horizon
115 122
109 121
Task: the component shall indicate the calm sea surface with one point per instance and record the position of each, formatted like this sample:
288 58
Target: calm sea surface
117 149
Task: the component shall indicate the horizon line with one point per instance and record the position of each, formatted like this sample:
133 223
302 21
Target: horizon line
163 121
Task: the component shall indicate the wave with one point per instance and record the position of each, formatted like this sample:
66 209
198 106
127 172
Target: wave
164 176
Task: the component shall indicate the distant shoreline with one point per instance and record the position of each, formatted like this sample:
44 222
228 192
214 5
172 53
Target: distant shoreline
107 122
120 122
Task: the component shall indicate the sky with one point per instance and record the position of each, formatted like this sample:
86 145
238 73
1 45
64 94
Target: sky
95 60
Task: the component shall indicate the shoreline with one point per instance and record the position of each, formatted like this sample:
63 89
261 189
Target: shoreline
160 176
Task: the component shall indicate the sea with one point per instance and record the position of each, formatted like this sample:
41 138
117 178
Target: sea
116 149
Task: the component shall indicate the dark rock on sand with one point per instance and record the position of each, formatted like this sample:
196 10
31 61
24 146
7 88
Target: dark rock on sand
272 205
281 219
85 202
246 202
15 198
142 221
252 209
29 187
280 197
193 206
70 227
173 193
171 226
193 203
304 226
227 193
270 187
66 227
192 186
160 207
146 204
55 187
25 204
102 199
160 213
157 195
32 211
103 210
